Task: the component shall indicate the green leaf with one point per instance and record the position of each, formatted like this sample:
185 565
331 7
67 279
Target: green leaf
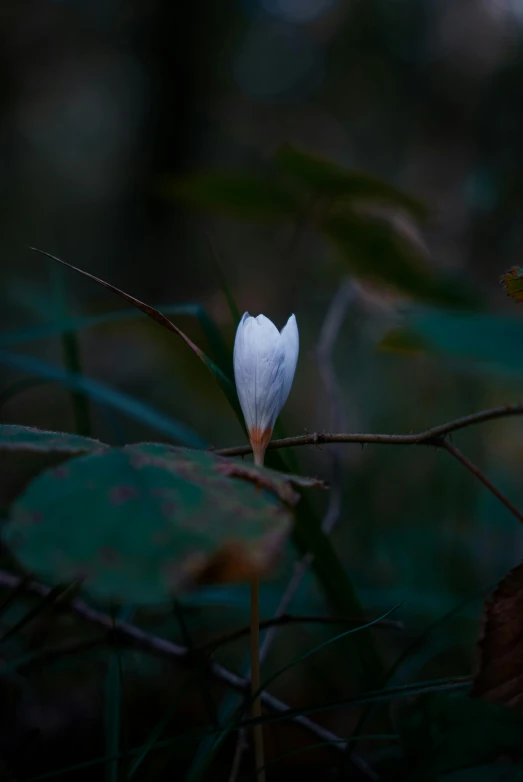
101 393
26 438
198 770
246 196
374 249
332 180
513 283
138 523
59 327
489 342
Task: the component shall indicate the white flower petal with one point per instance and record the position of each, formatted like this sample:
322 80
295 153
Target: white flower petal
291 346
259 372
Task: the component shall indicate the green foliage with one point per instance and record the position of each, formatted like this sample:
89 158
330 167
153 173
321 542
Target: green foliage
138 523
71 355
151 312
328 179
242 195
374 249
489 341
26 438
372 246
309 536
101 393
64 325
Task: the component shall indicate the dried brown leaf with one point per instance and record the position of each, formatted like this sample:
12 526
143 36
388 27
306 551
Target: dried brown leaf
499 672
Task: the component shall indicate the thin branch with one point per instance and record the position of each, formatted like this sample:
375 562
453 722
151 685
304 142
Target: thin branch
290 619
152 643
434 436
465 461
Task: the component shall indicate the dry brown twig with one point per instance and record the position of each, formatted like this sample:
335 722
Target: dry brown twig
434 436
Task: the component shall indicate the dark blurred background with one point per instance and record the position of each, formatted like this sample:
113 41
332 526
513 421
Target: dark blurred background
104 106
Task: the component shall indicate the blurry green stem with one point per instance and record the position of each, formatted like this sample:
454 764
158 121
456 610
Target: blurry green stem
71 351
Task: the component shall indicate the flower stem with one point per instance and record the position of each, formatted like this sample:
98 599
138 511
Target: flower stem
259 755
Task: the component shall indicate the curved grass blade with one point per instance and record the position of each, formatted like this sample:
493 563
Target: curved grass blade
406 691
448 684
224 382
59 327
104 395
409 651
56 328
72 359
300 658
199 769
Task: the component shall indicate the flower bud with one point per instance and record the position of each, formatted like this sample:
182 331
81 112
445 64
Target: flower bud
264 365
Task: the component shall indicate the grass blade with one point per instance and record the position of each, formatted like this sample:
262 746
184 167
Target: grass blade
224 382
197 771
72 360
300 658
98 392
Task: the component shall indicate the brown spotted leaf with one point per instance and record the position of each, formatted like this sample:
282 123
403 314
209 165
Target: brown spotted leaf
499 674
512 281
139 523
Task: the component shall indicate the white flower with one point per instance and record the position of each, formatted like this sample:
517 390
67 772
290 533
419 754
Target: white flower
264 364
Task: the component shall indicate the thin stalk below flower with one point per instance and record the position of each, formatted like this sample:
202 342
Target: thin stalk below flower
259 755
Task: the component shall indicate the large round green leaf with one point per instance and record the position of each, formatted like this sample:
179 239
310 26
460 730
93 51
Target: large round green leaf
27 438
138 523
